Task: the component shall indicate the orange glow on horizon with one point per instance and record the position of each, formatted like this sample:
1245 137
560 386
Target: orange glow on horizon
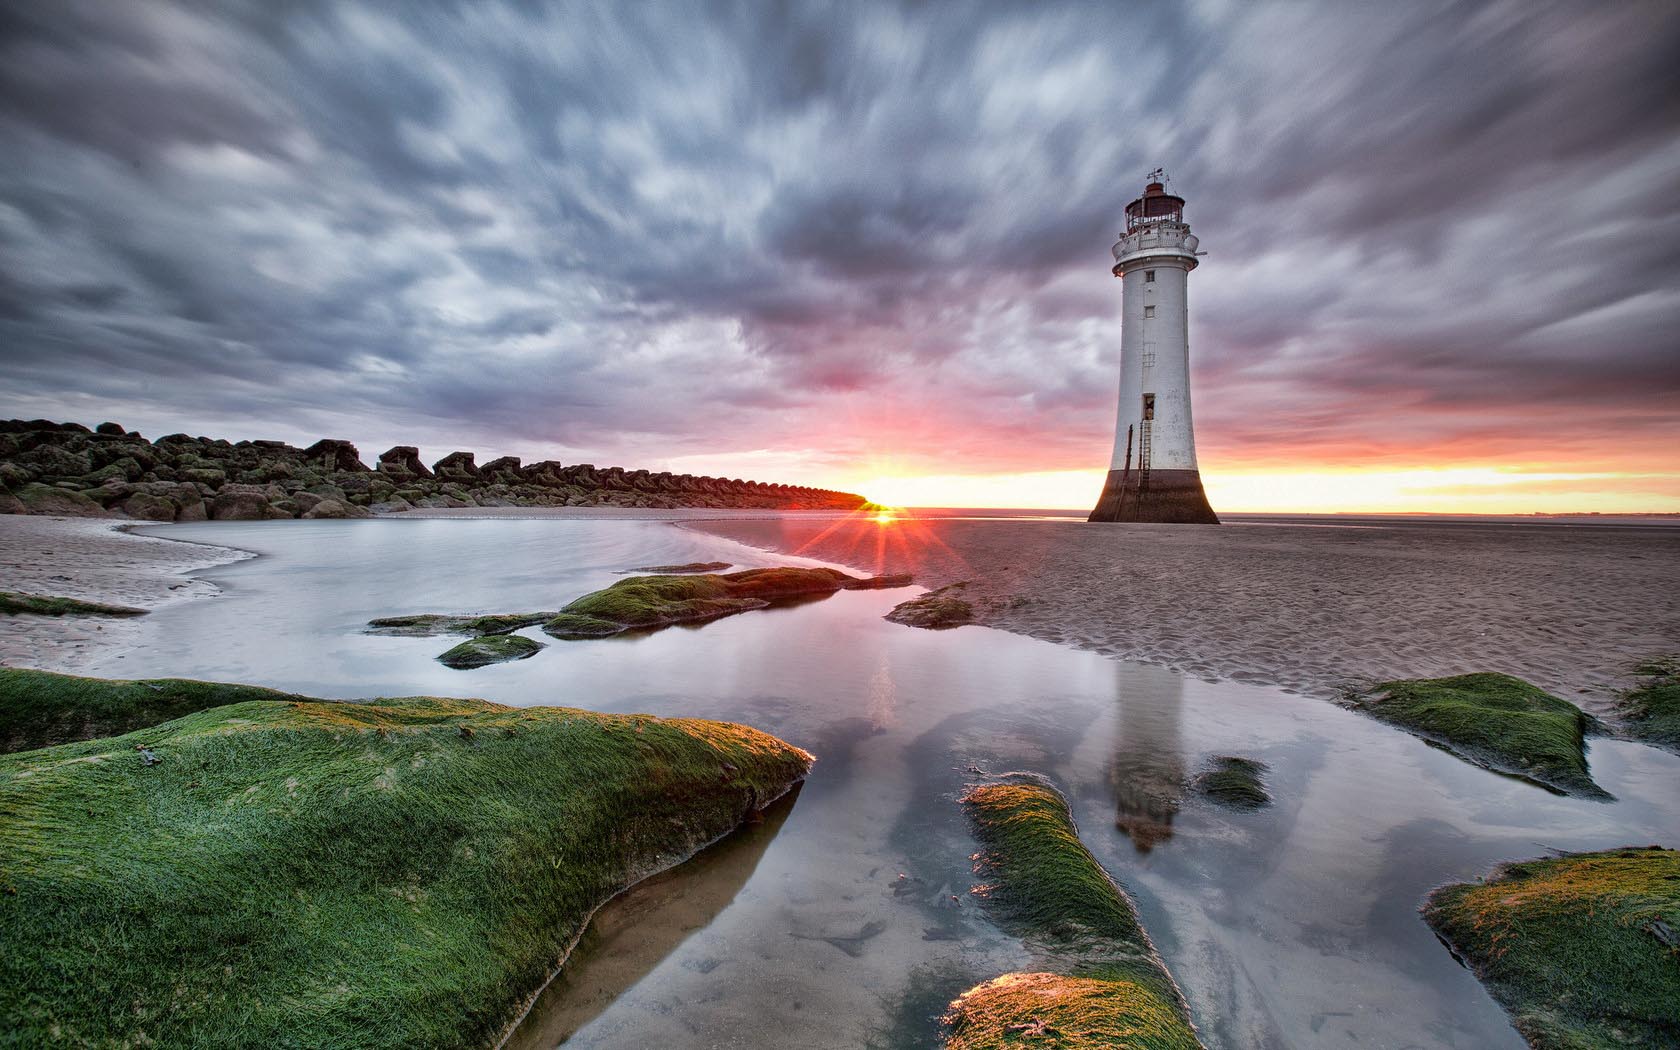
1460 489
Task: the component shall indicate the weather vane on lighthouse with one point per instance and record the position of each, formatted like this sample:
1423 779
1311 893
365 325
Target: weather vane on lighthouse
1153 474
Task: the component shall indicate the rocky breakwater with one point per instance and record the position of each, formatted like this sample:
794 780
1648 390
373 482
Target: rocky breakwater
67 469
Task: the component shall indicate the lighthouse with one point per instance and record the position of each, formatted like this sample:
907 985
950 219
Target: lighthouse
1153 475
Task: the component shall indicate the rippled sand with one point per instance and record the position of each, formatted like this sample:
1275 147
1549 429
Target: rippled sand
1310 607
95 561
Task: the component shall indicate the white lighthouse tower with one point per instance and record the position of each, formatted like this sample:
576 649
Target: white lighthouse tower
1153 475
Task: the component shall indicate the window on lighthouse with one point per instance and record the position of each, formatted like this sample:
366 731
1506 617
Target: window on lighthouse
1149 277
1149 311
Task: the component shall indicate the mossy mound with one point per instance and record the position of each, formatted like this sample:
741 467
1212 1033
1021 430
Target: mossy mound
934 611
390 874
42 709
1583 950
1652 709
1095 1011
643 602
428 624
685 567
13 603
1496 721
490 649
1239 783
1046 887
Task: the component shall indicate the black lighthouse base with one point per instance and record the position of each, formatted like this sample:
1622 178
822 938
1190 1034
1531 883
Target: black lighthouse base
1173 496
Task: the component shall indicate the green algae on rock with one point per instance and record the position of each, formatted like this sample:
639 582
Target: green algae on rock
644 602
1238 783
1496 721
428 624
490 649
1652 709
934 611
1098 1010
14 603
42 709
1583 950
1047 887
394 873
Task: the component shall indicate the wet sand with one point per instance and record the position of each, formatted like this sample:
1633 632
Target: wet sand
1314 608
94 560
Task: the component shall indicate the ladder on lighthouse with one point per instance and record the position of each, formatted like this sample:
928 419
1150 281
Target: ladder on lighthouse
1143 452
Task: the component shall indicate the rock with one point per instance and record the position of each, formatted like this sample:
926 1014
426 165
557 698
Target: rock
391 506
332 454
331 508
504 470
493 649
56 462
403 461
204 476
148 507
457 466
935 611
240 503
37 498
124 469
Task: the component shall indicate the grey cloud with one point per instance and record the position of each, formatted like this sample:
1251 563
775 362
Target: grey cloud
645 231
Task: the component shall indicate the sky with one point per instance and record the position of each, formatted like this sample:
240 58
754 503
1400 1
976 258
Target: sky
862 246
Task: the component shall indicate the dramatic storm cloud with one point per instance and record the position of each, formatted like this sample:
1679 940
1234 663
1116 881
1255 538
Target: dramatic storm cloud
821 244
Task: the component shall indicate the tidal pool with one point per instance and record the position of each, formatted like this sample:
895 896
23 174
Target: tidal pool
844 919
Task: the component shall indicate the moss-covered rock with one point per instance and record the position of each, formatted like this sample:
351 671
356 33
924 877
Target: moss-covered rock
1496 721
41 709
36 498
1582 949
429 624
1238 783
14 603
1045 886
489 649
1097 1010
935 611
578 626
658 601
685 567
396 873
1652 709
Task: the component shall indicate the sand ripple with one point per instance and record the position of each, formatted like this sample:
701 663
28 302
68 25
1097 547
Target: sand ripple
1310 608
93 560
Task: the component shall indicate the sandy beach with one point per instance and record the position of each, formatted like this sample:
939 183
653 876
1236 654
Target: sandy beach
93 560
1313 608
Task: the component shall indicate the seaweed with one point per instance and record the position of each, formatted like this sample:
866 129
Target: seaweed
1582 949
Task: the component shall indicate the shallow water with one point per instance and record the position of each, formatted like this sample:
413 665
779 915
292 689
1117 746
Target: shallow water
844 919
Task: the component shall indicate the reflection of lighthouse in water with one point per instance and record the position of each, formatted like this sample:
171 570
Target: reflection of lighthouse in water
1147 773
